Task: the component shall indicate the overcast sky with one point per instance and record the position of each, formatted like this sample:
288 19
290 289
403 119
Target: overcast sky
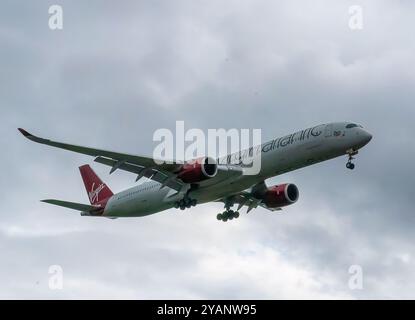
119 71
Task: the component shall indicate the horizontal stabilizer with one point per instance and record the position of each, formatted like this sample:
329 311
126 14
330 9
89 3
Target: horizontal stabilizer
71 205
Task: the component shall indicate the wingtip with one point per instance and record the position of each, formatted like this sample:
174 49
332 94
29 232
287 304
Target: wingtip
24 132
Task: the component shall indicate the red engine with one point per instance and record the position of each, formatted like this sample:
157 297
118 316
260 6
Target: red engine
281 195
198 170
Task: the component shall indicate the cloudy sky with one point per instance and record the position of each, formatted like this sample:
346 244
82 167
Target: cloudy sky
116 73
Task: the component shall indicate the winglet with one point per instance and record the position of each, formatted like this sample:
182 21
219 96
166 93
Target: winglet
24 132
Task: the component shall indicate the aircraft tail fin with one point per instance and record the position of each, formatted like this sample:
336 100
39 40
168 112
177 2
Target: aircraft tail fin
96 189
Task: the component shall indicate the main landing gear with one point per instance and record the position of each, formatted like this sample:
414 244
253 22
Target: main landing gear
349 164
186 202
227 215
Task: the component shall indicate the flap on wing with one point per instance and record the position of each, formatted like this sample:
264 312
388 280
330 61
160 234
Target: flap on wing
166 178
245 198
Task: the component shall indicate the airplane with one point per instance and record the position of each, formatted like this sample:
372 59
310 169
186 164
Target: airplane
185 184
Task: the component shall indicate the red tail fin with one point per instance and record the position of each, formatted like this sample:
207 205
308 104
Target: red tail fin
96 189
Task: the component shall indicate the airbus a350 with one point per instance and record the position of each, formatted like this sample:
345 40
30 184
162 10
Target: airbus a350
183 185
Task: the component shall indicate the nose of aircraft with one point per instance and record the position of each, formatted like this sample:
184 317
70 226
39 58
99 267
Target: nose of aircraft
365 136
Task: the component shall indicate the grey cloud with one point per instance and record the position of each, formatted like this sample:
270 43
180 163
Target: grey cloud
117 73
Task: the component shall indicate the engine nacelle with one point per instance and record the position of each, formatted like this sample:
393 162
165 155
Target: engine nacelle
281 195
198 170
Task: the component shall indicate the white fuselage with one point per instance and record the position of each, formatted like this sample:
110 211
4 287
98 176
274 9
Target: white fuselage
288 153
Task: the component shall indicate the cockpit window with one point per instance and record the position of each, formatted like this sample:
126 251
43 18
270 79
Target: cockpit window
351 125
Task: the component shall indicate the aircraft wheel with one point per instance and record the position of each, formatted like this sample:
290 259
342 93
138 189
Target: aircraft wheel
193 202
219 216
350 165
236 215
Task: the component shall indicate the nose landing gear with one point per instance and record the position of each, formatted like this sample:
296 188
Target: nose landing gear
349 164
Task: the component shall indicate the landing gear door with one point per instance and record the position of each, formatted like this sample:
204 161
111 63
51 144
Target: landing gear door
328 132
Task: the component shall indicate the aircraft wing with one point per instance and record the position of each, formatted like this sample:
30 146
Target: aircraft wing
142 166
